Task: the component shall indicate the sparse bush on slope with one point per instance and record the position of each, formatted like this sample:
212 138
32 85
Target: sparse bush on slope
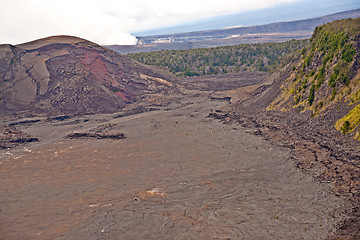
326 74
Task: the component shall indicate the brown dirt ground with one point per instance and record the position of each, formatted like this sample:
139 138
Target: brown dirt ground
177 175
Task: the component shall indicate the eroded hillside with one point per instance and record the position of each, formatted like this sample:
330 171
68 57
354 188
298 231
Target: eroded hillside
66 74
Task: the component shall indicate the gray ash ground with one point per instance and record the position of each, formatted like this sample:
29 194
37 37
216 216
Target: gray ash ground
178 174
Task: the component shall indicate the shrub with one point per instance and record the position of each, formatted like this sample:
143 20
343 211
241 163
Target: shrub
311 95
312 72
348 53
333 95
345 127
344 79
332 80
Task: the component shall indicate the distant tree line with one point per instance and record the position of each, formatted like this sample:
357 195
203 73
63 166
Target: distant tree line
208 61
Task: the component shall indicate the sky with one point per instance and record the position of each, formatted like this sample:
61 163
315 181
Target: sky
110 21
282 11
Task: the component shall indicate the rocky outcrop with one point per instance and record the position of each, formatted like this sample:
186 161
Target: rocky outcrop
11 137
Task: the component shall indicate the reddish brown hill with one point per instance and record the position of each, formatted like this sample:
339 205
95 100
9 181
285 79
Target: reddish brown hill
65 74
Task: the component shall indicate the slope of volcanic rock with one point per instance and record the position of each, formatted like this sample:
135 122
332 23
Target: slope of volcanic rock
66 74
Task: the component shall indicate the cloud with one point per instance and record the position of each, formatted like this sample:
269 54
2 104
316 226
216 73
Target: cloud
107 21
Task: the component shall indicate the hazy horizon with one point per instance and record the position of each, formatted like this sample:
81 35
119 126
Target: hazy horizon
282 12
118 22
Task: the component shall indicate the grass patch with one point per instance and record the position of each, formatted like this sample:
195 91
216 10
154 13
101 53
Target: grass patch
350 122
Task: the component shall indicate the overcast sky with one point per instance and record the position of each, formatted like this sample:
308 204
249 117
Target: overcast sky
108 21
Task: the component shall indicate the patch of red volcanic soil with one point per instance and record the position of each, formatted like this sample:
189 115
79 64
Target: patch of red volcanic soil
123 95
95 63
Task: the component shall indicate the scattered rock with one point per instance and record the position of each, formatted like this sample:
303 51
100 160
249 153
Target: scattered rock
24 122
11 137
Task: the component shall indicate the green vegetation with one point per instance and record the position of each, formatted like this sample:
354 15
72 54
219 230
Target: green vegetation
329 58
345 127
348 53
207 61
311 95
326 73
350 121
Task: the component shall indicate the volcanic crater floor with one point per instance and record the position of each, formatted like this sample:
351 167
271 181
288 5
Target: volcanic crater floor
177 174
